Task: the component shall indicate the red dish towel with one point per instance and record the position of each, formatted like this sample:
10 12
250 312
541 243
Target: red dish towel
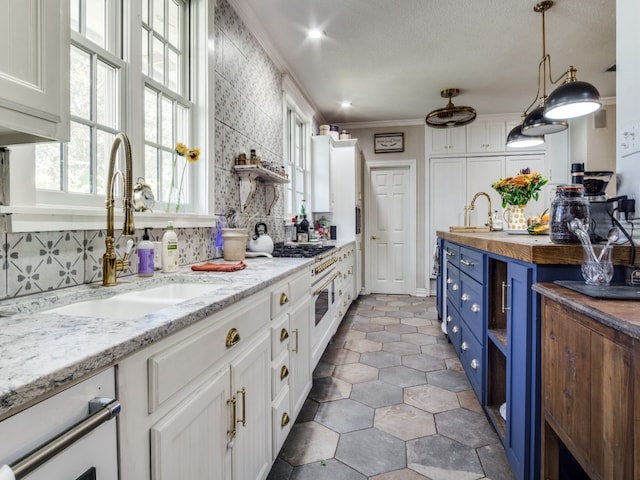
219 267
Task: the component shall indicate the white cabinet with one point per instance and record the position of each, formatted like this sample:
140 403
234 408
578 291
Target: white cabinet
301 319
321 173
34 71
447 140
345 190
486 136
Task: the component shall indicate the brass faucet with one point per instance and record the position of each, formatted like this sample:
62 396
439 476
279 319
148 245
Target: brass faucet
110 263
472 205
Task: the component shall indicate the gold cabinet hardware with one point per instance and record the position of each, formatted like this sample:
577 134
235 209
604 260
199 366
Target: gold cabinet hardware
284 372
475 364
373 237
283 299
464 346
295 350
285 420
340 292
232 432
503 301
284 334
233 337
243 392
349 297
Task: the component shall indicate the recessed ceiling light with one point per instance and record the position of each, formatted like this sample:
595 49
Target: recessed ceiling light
315 33
345 104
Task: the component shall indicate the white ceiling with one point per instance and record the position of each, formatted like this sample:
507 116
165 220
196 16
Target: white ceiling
391 58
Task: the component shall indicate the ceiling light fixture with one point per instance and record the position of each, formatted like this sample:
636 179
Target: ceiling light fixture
516 139
450 116
570 100
315 33
345 104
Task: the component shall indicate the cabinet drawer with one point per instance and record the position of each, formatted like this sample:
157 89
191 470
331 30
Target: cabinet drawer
279 373
286 294
172 369
454 327
472 305
471 263
452 253
472 359
282 420
279 335
453 285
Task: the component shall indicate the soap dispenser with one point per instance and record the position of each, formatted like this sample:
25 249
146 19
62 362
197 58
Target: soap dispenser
169 250
145 256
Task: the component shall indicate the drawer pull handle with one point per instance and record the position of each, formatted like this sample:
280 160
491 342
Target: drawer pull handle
475 364
243 392
475 308
233 337
284 334
455 287
284 372
449 318
283 299
455 329
295 350
285 420
449 281
340 292
449 254
465 297
464 346
503 300
232 432
467 263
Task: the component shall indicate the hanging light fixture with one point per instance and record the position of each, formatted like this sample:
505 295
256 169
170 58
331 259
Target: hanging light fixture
573 96
450 116
516 139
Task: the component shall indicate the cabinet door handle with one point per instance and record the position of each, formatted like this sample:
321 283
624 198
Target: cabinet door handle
284 372
465 297
449 318
283 335
243 392
467 263
464 346
449 281
455 287
283 299
503 299
295 350
373 237
475 308
232 431
233 337
475 364
285 420
449 254
455 329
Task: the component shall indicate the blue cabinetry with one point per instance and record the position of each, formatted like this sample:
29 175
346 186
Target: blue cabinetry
492 318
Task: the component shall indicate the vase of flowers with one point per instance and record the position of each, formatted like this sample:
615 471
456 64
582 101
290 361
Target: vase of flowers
191 155
516 192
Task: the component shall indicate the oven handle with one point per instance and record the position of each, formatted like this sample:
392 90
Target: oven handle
326 284
101 410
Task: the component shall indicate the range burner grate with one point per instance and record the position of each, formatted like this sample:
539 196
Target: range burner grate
299 251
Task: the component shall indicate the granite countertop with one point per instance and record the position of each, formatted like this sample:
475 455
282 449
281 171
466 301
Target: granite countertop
621 315
42 352
536 249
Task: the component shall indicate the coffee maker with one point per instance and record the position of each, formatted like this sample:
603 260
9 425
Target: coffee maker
602 210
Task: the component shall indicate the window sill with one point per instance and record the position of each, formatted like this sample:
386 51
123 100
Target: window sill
18 219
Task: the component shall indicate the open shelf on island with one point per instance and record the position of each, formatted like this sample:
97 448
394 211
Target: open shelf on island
249 174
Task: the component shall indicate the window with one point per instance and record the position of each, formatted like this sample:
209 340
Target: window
143 90
297 162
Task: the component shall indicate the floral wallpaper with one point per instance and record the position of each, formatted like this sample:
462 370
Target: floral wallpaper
248 115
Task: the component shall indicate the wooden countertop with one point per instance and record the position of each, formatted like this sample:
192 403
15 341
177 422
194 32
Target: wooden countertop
621 315
536 249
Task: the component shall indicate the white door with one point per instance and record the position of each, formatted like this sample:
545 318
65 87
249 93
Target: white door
391 228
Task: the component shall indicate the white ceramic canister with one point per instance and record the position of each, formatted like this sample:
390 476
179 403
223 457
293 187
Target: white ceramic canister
345 135
324 130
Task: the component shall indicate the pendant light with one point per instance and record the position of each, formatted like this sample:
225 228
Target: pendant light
516 139
535 123
572 99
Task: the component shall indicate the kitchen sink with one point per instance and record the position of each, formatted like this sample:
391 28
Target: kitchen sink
136 303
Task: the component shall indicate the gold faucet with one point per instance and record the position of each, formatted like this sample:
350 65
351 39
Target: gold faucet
472 205
110 263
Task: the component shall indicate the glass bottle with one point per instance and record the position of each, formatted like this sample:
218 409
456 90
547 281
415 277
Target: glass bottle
569 203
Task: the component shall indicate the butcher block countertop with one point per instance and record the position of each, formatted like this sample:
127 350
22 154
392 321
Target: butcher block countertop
536 249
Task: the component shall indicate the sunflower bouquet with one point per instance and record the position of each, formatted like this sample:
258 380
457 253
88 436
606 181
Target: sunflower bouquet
521 188
191 155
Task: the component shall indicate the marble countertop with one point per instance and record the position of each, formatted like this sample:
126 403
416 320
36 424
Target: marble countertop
42 352
621 315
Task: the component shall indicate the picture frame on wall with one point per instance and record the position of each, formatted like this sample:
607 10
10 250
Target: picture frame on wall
388 142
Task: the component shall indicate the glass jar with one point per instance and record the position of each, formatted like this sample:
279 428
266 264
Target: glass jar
568 204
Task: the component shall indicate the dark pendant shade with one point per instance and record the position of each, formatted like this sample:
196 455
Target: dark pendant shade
535 123
516 139
572 100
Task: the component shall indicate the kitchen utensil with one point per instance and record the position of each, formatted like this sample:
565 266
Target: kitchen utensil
261 242
612 236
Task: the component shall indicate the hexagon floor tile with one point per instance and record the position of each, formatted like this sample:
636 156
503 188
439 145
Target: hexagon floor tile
390 401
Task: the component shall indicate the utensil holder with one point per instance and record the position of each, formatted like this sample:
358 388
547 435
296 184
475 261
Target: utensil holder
234 243
598 270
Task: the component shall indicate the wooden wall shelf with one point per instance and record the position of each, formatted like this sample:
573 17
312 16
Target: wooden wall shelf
249 174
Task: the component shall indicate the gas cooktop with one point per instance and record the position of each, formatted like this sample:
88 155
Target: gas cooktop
303 250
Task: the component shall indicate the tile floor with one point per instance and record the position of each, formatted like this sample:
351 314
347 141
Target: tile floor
390 401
